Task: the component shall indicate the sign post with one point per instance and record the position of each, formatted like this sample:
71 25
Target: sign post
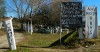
10 33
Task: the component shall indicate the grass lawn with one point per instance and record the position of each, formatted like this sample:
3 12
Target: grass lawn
39 40
99 34
36 40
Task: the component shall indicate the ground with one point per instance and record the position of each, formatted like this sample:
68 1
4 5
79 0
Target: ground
38 42
4 42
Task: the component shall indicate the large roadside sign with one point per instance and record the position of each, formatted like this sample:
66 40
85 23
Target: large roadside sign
91 22
71 14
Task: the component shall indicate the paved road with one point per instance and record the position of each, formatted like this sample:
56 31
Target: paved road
4 42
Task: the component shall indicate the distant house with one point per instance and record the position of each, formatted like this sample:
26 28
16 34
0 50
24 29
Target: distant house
1 21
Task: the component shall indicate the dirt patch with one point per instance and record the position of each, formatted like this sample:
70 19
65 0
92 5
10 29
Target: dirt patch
4 42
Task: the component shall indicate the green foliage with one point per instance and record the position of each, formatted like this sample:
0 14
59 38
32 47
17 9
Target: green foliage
16 23
44 40
71 41
72 37
43 17
39 40
2 8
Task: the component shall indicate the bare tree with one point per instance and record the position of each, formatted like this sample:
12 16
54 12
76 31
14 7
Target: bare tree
56 9
25 7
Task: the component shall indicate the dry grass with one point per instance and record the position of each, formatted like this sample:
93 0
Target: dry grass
99 34
44 40
36 40
40 40
2 32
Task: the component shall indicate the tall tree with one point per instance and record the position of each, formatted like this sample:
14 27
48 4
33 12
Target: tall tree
25 8
2 8
43 17
56 9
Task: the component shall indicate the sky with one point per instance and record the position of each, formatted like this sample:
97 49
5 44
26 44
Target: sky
85 3
93 3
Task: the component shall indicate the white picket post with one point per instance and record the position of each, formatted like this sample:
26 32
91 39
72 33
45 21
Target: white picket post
28 27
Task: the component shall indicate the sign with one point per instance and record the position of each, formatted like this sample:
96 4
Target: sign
10 33
91 22
71 14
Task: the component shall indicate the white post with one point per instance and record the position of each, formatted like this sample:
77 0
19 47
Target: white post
60 34
10 33
67 31
56 29
48 27
31 28
28 27
51 30
91 22
25 27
